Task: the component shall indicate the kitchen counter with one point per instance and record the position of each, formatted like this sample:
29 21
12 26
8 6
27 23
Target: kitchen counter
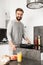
28 53
32 56
25 62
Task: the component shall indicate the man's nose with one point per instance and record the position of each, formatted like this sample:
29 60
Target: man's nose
19 15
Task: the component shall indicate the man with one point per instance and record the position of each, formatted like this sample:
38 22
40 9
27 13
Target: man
15 30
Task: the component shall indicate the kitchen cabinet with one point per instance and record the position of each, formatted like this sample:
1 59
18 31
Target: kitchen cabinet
38 31
3 35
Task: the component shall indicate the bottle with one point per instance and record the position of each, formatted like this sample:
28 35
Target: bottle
39 42
36 42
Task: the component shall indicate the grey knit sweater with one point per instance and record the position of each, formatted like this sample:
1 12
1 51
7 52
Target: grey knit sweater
15 31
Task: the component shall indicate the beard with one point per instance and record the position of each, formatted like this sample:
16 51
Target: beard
18 18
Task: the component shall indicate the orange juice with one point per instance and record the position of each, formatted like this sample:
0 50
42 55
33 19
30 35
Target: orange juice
19 56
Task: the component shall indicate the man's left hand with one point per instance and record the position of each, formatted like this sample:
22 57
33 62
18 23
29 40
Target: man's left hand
27 40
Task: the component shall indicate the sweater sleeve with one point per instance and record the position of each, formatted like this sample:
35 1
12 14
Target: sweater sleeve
9 30
23 33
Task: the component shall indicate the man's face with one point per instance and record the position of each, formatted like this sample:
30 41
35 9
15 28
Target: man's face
19 15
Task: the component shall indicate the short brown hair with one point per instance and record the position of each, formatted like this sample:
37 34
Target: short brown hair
19 9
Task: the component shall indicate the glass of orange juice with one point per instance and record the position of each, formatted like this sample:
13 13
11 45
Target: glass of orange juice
19 57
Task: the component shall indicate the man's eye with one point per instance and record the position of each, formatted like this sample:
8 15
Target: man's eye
21 14
18 14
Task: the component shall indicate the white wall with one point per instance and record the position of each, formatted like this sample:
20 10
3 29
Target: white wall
2 17
30 19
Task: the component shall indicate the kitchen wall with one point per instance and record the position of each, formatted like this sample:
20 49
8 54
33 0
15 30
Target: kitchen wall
30 19
2 17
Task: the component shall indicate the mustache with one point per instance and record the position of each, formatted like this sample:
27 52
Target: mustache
18 18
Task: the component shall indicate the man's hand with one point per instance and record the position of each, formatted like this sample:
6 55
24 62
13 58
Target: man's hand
27 40
13 47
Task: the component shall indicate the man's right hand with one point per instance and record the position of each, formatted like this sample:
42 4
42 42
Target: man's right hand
13 47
